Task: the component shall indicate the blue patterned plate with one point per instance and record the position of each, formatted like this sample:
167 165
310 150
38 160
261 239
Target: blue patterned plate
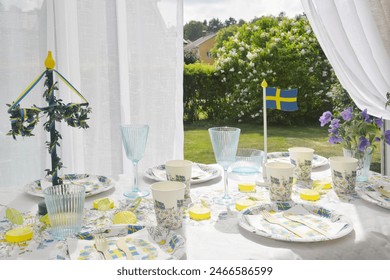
94 184
285 157
200 173
329 221
371 194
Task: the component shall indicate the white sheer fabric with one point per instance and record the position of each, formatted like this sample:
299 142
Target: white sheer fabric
349 35
125 57
355 36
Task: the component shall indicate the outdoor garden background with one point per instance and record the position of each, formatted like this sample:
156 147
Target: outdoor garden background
283 51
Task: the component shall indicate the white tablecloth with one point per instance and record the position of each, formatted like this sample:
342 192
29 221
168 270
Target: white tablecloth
206 240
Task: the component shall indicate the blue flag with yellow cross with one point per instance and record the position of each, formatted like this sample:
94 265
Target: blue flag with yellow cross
281 99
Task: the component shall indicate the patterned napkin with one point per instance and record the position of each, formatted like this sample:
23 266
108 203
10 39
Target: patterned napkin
332 228
140 244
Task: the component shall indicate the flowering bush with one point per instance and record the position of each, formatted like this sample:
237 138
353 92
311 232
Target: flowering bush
283 51
354 129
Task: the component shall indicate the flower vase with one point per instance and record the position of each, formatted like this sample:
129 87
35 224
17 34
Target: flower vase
364 162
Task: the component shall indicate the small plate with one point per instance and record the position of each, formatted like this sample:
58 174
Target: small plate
94 184
200 173
371 194
285 157
325 219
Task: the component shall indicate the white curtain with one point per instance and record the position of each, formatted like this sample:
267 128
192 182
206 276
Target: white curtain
125 57
355 36
349 34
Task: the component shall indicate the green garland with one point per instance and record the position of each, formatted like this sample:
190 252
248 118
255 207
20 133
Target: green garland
24 120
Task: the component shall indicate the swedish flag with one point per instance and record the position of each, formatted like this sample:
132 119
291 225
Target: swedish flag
285 100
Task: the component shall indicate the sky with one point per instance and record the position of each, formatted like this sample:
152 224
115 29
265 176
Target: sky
200 10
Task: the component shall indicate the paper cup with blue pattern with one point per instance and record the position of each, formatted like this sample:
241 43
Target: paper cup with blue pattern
180 171
343 171
168 198
280 176
302 158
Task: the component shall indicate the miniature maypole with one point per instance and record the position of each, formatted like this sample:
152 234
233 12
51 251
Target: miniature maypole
23 120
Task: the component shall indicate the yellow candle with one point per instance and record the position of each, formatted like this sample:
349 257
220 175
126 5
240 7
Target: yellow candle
311 195
247 187
19 234
243 203
199 212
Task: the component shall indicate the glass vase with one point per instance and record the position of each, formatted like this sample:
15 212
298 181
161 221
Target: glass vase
364 162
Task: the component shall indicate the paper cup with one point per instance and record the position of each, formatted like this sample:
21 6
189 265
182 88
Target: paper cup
180 171
280 179
302 158
168 200
65 207
343 171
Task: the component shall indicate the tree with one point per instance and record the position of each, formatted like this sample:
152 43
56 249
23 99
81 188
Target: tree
194 30
214 25
230 21
284 52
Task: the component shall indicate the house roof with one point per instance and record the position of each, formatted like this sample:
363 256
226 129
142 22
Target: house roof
199 41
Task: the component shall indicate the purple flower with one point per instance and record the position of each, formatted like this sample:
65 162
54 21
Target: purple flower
335 123
347 114
325 118
335 140
379 122
387 137
377 139
363 143
365 116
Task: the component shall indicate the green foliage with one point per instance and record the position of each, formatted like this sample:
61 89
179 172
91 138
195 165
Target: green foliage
285 53
193 30
203 92
24 120
190 57
216 24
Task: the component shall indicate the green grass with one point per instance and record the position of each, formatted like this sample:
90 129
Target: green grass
197 144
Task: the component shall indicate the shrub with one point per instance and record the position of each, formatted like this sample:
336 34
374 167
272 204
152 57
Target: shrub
286 53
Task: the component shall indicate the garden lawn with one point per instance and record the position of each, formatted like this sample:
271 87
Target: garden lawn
197 144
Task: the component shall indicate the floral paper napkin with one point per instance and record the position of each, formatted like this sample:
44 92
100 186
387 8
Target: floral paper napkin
332 228
141 245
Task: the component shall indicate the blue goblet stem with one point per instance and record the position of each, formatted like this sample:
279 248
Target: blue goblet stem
135 185
226 187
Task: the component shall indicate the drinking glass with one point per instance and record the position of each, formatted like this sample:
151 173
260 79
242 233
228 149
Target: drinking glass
134 139
225 142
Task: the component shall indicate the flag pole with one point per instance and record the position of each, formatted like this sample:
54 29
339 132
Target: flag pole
264 86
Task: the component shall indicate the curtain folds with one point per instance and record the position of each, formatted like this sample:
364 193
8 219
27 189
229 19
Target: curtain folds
125 57
350 36
355 36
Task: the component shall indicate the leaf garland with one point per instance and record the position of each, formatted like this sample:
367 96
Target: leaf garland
24 120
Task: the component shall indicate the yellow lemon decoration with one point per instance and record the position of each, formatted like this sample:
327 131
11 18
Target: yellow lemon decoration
14 216
45 219
243 203
246 187
19 234
311 195
124 217
103 204
322 184
199 212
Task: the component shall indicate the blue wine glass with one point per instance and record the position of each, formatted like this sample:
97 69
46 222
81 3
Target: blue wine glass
225 142
134 138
